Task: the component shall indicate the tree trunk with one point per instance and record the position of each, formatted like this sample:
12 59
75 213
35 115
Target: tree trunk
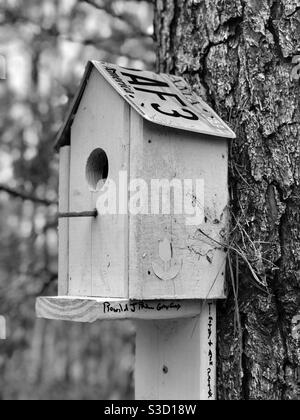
238 55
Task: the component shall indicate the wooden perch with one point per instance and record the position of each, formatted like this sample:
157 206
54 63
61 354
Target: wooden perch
70 215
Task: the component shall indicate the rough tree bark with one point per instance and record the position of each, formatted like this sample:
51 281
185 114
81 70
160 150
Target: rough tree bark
238 56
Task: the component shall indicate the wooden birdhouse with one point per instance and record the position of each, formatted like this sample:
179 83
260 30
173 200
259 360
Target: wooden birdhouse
143 190
143 223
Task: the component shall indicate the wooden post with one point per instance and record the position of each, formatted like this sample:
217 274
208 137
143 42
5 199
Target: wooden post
157 269
176 360
63 224
175 343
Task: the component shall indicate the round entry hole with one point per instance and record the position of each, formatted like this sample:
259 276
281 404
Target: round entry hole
97 169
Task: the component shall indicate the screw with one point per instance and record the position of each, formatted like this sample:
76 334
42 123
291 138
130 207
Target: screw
165 370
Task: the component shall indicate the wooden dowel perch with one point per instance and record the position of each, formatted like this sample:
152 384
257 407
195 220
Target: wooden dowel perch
70 215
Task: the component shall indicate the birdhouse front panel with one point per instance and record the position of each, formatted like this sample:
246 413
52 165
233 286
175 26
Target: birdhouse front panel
144 168
98 247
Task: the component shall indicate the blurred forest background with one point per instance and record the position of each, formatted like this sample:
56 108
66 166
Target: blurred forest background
46 44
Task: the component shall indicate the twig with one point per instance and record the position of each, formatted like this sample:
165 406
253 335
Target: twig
241 253
25 196
238 323
103 45
109 10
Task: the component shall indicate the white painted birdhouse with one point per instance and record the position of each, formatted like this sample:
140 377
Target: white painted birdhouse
143 190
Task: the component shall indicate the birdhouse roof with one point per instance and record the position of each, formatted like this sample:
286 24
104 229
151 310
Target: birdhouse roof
162 99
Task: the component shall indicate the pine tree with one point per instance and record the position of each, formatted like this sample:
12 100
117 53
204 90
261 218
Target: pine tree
241 56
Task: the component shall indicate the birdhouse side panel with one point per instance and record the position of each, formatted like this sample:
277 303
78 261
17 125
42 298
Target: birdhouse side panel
99 151
173 254
63 224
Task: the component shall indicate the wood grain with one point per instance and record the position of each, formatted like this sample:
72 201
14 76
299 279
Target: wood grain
89 310
63 225
175 360
99 246
159 153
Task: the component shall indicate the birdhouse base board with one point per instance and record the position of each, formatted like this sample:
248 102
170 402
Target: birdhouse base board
89 310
